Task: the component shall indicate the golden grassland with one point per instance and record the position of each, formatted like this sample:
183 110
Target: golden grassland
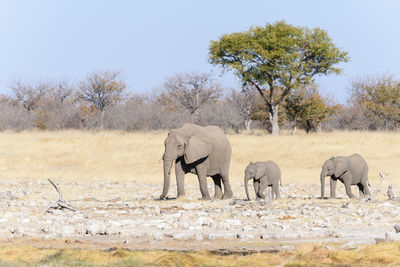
382 254
123 157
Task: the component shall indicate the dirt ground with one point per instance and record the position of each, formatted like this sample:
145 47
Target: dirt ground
132 217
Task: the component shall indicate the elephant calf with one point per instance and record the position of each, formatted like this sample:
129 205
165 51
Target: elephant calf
350 170
263 174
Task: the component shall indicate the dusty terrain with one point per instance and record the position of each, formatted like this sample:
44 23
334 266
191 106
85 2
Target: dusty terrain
129 215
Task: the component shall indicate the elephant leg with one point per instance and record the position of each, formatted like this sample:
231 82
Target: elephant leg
347 178
202 176
218 186
261 190
227 187
360 190
269 193
365 187
333 187
180 178
275 188
256 185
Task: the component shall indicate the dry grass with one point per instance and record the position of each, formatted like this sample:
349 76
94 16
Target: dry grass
383 254
118 156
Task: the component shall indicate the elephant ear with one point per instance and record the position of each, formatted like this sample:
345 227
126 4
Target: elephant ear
340 167
260 172
196 149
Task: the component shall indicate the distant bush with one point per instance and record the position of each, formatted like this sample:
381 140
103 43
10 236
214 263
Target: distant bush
198 98
14 117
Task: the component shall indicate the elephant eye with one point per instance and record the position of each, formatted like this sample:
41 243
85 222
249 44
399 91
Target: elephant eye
179 146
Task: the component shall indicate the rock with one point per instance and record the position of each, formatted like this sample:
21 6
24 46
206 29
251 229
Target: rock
387 238
230 222
191 206
199 236
205 221
320 223
183 236
67 231
332 234
247 213
351 245
8 196
158 236
213 236
245 236
265 236
246 228
94 228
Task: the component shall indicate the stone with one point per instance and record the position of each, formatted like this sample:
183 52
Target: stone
245 236
67 231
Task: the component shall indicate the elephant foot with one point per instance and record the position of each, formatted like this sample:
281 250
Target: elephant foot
206 198
227 195
218 196
180 197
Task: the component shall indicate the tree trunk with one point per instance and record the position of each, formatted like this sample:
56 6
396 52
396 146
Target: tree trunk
102 119
247 124
273 118
294 128
319 127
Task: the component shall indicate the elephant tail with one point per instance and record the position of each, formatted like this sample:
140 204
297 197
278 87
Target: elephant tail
280 181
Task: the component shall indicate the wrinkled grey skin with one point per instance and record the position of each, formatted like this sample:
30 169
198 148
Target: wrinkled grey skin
350 170
204 151
263 174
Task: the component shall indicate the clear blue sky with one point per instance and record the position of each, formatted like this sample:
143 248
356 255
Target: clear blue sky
151 40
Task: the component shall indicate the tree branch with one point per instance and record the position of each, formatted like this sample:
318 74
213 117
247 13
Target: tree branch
261 93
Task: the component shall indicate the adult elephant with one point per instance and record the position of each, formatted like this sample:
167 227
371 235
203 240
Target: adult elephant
350 170
204 151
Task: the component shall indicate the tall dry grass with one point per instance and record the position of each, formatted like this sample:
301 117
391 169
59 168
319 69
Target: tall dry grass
119 156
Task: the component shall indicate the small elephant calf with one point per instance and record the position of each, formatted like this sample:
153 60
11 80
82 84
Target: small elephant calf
263 174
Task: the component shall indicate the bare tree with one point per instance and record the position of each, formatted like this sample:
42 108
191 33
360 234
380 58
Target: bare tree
102 89
193 90
52 103
28 94
245 102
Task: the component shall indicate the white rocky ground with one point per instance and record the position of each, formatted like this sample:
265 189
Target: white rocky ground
131 214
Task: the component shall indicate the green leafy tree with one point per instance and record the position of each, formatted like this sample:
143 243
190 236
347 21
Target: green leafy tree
276 59
379 99
307 109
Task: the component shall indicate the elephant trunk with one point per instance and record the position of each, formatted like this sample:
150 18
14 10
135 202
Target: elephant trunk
322 177
167 176
246 179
